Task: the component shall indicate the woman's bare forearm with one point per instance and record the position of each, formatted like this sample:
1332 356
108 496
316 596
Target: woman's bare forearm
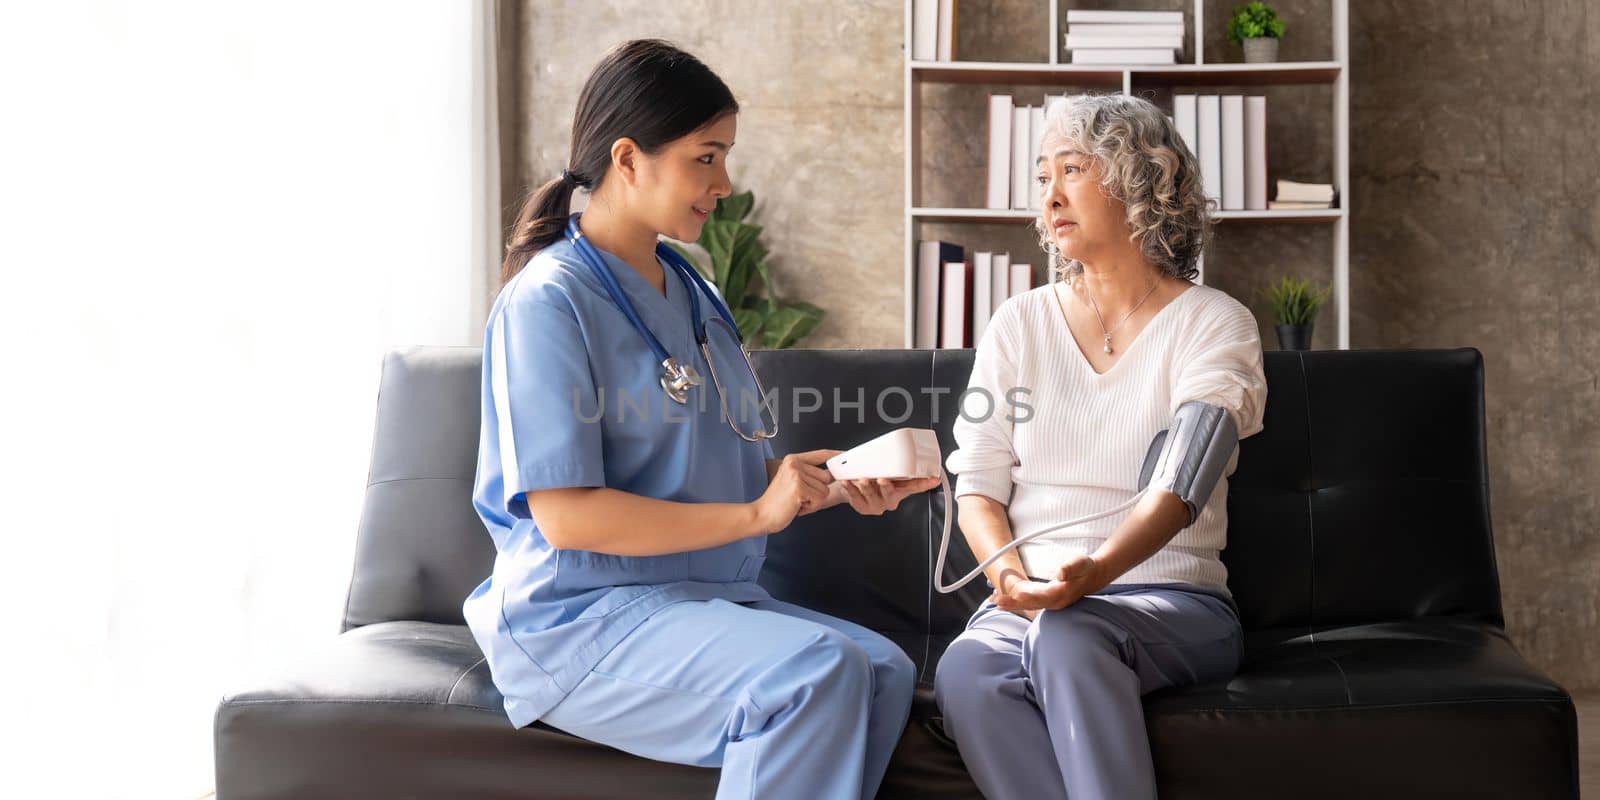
603 520
987 528
1155 519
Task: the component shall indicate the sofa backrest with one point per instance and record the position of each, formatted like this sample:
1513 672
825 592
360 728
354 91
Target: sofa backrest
1364 498
420 546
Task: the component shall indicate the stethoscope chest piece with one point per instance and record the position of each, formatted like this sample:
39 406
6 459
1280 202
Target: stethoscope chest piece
677 378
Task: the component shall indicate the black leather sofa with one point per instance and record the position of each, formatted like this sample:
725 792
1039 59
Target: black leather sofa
1359 550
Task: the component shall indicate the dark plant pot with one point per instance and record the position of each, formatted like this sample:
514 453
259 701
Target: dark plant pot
1295 337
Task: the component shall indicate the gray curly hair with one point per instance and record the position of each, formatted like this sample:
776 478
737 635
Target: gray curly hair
1145 164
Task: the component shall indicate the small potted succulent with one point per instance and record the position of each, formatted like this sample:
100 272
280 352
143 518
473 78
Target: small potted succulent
1296 305
1257 27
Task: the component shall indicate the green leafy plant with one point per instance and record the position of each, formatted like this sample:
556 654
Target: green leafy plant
1294 301
1254 21
739 271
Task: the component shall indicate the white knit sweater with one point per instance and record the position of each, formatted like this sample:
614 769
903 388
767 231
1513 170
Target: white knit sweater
1080 448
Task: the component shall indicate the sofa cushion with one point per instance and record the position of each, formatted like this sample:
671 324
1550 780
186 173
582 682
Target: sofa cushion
407 709
1368 710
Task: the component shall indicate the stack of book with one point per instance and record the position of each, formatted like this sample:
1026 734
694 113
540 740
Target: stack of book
957 298
1014 133
1292 195
1228 134
933 30
1124 37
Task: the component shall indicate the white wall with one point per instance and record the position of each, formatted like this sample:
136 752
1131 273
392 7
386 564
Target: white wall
216 217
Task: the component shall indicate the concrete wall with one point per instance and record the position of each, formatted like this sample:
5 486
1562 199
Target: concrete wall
819 142
1473 176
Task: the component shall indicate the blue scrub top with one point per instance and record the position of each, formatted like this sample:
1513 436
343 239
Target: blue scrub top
572 397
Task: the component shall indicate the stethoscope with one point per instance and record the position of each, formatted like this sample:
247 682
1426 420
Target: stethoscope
677 377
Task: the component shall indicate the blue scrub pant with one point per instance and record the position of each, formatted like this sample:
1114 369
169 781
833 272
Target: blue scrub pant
790 703
1051 709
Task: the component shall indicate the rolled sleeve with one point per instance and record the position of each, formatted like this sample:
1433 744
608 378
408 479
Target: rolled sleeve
985 453
547 423
1223 367
991 483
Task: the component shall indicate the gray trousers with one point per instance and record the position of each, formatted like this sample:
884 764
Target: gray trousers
1051 710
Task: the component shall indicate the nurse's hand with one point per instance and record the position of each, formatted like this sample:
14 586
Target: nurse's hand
799 485
875 496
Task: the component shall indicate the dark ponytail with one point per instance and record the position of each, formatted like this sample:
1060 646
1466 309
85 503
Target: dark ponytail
646 90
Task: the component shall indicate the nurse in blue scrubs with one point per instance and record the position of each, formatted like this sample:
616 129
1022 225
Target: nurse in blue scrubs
630 528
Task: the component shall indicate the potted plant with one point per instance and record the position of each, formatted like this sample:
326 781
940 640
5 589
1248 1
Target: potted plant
1257 27
1296 305
737 259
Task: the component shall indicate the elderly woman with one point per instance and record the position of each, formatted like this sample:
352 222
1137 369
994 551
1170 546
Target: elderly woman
1042 691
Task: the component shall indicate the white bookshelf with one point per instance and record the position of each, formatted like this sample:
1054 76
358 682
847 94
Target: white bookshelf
1126 79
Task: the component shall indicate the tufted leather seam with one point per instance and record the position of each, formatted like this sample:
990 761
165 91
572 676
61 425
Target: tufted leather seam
927 530
400 480
1311 524
311 701
350 588
1362 706
1311 573
1387 482
463 676
1344 679
1311 530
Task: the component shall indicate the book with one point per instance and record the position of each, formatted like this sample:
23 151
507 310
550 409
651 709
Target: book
1209 132
1125 56
1021 120
982 293
946 50
1021 278
1183 118
1125 17
931 257
1035 133
999 282
1255 153
1087 41
924 30
1305 192
1126 29
933 30
999 151
1232 152
955 328
927 310
1289 205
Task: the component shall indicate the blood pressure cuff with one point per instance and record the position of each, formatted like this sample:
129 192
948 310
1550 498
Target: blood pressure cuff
1188 458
